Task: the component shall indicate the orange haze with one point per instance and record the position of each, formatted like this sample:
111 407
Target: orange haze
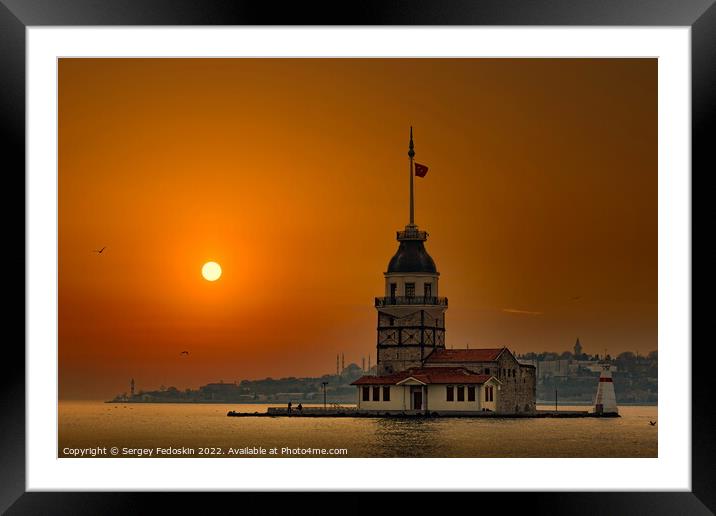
293 173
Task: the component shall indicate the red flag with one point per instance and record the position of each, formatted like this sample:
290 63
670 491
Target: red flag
420 170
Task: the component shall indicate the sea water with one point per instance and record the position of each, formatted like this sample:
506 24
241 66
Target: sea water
95 429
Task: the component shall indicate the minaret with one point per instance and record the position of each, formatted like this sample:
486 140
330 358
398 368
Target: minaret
411 316
605 402
131 387
577 348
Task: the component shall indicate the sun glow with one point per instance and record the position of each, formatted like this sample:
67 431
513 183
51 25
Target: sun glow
211 271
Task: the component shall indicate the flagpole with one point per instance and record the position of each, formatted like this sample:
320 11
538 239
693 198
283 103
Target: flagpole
411 153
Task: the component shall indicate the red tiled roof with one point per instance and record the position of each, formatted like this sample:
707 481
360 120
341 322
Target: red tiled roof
440 356
427 375
389 379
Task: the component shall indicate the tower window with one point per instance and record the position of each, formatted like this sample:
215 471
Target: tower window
410 290
393 289
376 393
366 393
428 289
450 393
461 393
386 393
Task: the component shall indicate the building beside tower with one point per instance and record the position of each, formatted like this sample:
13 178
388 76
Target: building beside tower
415 371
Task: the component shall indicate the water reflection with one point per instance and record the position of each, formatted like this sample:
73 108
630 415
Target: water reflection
406 437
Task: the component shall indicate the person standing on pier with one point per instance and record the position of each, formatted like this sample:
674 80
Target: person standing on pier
289 408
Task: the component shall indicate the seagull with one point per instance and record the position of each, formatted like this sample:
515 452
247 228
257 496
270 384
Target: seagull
576 298
100 250
184 353
652 423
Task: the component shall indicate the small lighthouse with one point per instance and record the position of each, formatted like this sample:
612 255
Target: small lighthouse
605 402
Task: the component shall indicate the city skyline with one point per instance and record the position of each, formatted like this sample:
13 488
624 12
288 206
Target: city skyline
292 174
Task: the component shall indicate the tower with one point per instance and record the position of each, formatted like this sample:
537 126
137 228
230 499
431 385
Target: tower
577 348
131 387
411 316
605 402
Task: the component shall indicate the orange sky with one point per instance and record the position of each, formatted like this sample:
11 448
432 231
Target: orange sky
292 174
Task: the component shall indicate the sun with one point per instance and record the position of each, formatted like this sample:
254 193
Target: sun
211 271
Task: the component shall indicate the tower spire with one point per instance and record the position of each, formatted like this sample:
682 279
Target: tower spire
411 154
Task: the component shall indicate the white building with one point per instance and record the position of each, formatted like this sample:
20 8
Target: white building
429 389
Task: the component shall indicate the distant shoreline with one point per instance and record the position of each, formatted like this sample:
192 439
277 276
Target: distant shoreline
575 403
220 402
330 402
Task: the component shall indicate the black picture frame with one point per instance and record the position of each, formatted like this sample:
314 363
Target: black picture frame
17 15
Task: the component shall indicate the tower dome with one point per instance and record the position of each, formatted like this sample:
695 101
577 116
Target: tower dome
412 255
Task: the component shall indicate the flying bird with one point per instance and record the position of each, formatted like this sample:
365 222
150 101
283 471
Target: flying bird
576 298
184 353
652 423
99 251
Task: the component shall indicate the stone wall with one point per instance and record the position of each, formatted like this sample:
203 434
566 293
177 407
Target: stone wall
518 387
403 331
392 359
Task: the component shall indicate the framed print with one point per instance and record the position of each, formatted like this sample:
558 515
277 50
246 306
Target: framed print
271 249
